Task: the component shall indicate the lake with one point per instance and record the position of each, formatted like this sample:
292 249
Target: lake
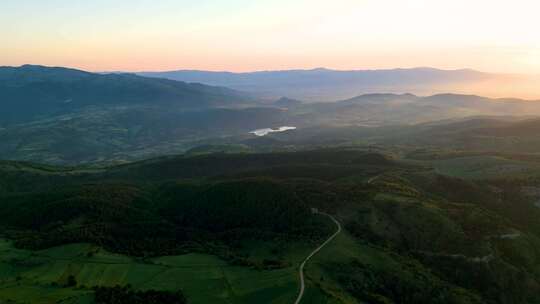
266 131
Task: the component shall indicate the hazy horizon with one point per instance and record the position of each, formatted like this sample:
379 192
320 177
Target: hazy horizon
495 85
181 68
240 36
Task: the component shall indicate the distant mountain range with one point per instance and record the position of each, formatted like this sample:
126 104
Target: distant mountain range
329 85
31 91
61 115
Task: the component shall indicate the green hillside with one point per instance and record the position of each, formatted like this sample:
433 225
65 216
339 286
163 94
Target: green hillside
233 228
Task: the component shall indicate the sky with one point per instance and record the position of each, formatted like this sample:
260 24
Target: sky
248 35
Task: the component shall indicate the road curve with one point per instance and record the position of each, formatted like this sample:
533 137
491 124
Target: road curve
314 252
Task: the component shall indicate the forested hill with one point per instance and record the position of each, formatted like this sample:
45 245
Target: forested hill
410 233
169 205
29 92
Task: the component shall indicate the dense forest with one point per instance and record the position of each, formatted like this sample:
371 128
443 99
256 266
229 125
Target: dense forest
425 237
161 220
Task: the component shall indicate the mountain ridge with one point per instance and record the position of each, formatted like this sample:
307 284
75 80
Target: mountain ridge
30 91
322 84
319 69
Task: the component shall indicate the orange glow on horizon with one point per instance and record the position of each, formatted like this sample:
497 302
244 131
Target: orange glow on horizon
242 36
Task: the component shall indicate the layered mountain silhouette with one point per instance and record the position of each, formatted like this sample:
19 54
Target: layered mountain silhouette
62 115
326 85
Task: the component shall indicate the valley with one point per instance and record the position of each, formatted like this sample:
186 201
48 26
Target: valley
269 152
433 197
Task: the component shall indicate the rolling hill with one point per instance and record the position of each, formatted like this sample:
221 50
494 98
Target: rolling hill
409 109
30 92
233 228
66 116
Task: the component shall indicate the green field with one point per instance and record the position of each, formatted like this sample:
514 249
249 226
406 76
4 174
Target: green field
39 276
479 167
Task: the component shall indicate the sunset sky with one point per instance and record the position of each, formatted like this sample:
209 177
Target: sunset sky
247 35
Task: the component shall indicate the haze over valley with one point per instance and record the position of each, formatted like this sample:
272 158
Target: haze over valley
217 164
322 84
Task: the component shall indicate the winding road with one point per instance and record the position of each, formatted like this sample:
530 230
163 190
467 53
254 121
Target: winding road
314 252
